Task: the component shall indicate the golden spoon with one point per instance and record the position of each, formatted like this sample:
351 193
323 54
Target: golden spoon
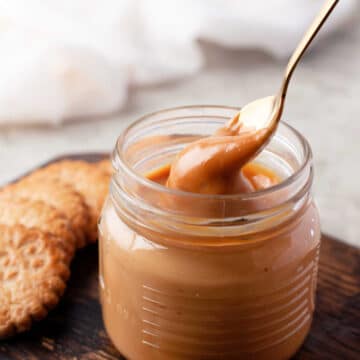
264 114
206 165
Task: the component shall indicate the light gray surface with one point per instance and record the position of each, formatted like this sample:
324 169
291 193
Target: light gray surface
323 104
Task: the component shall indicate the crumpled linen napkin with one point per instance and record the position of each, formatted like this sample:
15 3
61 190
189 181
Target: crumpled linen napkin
60 60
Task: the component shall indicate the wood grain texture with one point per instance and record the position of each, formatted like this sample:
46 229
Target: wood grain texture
74 330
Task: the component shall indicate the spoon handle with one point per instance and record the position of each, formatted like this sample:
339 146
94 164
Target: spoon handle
314 28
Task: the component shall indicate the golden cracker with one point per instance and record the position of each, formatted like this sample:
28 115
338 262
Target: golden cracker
33 277
37 214
89 181
59 195
105 166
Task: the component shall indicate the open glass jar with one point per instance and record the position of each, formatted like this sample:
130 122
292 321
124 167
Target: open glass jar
194 276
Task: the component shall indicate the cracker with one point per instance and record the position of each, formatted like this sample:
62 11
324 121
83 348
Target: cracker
37 214
106 166
59 195
33 277
87 179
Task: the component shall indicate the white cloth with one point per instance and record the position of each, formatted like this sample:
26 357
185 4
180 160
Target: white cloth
60 60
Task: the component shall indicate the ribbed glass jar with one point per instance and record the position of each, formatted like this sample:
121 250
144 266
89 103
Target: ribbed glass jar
178 283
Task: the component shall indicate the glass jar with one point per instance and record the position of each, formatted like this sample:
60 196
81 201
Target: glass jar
183 282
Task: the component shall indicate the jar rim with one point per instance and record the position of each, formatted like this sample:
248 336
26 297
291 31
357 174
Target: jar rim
127 168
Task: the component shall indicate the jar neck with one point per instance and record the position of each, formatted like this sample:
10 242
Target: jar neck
157 138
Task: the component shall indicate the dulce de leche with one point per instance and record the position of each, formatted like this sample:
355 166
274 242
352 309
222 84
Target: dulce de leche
211 254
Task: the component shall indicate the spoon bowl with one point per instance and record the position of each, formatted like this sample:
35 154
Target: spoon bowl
260 114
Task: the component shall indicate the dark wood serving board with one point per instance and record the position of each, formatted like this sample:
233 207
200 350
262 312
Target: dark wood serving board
74 330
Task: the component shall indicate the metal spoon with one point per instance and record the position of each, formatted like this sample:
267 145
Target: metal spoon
265 113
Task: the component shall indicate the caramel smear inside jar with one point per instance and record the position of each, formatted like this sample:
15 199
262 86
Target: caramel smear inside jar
219 164
252 177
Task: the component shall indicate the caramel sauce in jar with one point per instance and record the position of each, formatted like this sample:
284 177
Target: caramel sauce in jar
186 275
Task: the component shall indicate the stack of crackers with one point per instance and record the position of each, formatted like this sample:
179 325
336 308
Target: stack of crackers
44 219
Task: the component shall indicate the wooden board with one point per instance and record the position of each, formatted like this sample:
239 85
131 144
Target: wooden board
74 330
